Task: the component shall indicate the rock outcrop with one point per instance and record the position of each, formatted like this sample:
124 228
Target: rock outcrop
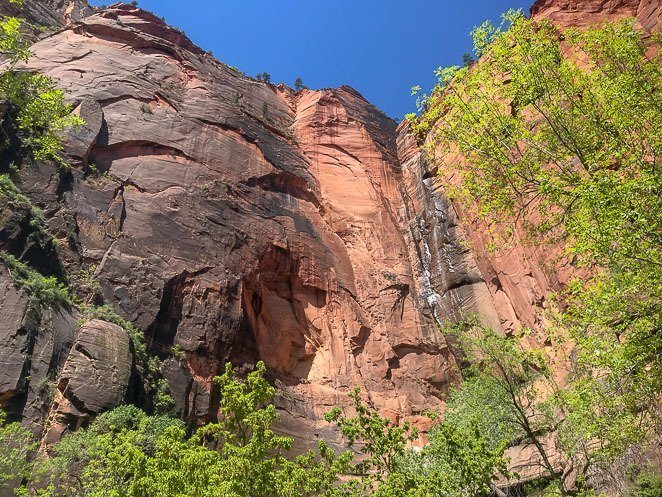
567 13
48 13
240 221
95 377
52 368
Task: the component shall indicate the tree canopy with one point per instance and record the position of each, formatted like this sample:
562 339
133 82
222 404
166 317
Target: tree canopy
559 136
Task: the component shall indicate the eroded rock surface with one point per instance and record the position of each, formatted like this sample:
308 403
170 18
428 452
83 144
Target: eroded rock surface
95 377
34 343
584 13
48 13
239 221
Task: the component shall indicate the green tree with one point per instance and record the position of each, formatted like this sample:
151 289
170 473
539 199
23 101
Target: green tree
458 460
568 147
468 60
17 445
263 76
125 452
380 440
37 108
503 396
299 85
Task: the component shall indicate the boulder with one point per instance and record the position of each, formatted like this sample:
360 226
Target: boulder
95 377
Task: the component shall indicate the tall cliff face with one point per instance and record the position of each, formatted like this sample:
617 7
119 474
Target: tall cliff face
238 221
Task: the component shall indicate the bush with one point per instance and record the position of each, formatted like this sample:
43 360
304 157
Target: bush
42 290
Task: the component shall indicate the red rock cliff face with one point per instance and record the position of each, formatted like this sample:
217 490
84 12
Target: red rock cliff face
240 221
583 13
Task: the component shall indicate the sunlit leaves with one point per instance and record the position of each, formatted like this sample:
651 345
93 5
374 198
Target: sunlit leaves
35 103
560 133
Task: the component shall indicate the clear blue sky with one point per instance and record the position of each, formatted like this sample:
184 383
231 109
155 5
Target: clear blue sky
380 47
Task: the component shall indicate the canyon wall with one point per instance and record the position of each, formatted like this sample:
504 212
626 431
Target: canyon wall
507 287
234 220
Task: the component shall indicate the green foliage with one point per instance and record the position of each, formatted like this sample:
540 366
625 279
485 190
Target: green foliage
460 461
468 60
164 404
37 106
177 352
11 196
568 148
44 291
264 77
381 441
483 405
509 396
299 84
107 313
16 446
647 484
127 453
502 398
99 460
12 46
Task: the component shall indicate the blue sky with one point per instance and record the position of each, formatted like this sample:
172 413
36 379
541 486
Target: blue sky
380 47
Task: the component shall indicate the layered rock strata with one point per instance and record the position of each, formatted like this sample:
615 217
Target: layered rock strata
239 221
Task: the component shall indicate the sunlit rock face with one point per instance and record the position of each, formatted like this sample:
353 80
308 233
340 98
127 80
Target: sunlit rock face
567 13
241 221
47 14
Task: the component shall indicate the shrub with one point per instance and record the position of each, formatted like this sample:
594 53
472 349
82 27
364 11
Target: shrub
44 291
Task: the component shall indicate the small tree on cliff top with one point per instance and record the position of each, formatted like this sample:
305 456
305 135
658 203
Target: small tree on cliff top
35 104
299 85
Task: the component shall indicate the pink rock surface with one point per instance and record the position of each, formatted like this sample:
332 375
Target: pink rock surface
242 221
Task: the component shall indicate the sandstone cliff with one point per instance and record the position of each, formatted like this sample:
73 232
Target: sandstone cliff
48 14
235 220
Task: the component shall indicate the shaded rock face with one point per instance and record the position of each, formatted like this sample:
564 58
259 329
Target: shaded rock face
458 275
52 368
95 377
447 275
34 344
48 13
